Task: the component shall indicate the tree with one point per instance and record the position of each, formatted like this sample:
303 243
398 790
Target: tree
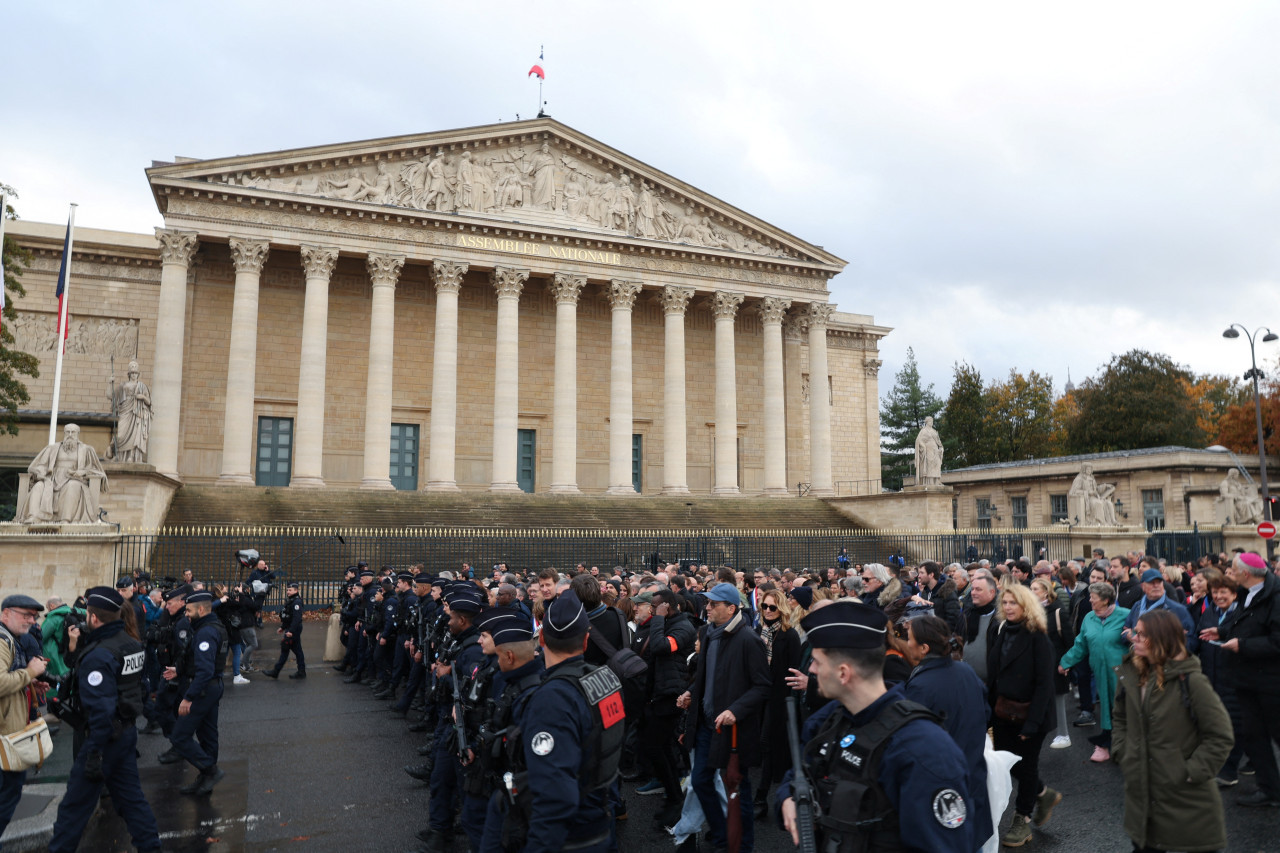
962 427
1238 425
13 259
1065 410
1141 399
1019 422
902 414
1213 396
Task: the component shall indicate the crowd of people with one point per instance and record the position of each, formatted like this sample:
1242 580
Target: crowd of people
545 699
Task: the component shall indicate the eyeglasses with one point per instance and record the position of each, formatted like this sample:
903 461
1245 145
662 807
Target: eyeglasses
868 577
768 607
1136 633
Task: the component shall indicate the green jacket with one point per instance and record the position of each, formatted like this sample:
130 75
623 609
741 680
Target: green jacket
1104 646
54 633
1169 759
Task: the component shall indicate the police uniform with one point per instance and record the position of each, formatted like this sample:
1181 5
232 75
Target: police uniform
355 639
208 658
291 641
107 682
888 777
173 641
406 628
571 733
421 621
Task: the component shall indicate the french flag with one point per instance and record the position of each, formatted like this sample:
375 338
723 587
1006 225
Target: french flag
64 272
537 67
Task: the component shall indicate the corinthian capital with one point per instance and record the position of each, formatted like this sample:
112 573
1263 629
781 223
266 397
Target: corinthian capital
819 314
384 270
726 304
318 261
675 299
249 255
774 308
508 281
566 287
177 247
447 275
622 294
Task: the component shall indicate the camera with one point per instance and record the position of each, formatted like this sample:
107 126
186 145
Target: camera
247 557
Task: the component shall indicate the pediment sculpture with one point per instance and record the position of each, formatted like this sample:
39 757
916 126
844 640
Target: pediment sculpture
540 183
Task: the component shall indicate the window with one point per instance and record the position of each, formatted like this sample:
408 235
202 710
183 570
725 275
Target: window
1019 512
984 513
526 459
637 460
1153 508
404 457
1057 508
275 451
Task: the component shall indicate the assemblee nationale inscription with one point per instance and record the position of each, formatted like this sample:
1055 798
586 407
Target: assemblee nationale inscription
542 250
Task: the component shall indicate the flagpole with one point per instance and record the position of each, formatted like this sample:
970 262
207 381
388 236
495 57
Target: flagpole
62 327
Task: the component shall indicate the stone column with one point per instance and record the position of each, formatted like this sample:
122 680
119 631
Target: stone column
725 308
442 458
384 272
508 283
772 311
675 478
622 295
819 402
308 455
237 425
567 288
176 251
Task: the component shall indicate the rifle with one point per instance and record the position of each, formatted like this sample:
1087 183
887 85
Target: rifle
459 729
801 790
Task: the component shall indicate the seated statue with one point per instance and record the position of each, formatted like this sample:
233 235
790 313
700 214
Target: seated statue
60 476
1089 504
1238 502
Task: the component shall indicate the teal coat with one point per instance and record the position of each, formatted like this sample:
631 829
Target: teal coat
1169 758
1103 645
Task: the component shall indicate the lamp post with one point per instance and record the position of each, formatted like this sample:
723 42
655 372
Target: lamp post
1233 331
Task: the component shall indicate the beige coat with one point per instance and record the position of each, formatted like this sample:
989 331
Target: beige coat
13 691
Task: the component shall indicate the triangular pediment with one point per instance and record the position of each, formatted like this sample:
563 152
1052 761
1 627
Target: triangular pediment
538 173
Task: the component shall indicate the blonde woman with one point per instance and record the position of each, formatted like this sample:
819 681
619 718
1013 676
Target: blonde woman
782 649
1020 687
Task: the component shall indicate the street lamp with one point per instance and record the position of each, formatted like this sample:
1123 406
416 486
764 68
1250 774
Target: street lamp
1233 331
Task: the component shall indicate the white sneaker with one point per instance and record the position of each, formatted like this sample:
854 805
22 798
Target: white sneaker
240 679
1061 742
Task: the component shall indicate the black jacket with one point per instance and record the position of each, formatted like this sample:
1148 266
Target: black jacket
946 603
1020 667
1256 665
741 686
665 643
1061 636
609 622
291 616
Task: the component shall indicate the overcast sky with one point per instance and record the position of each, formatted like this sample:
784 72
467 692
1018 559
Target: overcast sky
1016 184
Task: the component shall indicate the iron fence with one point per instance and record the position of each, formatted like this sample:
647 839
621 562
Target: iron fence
316 556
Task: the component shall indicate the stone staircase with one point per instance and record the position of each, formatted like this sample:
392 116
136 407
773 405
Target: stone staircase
204 506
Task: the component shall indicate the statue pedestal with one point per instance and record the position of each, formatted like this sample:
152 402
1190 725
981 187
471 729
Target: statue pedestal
57 559
913 508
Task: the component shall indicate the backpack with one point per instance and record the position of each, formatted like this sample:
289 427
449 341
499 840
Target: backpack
630 668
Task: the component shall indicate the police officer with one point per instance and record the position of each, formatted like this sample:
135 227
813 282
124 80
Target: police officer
885 774
416 643
291 628
198 711
355 637
406 628
127 586
384 687
461 657
173 641
571 733
107 689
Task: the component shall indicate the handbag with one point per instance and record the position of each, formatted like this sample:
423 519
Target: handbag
1010 711
26 749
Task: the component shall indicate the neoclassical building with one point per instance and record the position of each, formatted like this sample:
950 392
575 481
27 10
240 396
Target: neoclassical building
514 306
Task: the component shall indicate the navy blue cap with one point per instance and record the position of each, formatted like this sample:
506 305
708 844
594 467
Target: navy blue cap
22 602
178 592
1152 575
366 573
846 625
802 595
504 626
199 597
125 582
407 577
464 597
104 597
566 618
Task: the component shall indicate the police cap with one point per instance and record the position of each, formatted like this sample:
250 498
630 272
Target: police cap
125 582
504 626
846 625
181 591
566 618
366 573
105 598
200 597
464 597
407 577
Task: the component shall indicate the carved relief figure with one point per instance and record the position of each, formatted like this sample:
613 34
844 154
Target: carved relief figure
133 410
464 183
1238 501
60 476
1089 504
436 195
928 455
623 210
541 169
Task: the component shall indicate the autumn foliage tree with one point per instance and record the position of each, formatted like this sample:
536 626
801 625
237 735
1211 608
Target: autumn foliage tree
1237 426
14 259
1140 399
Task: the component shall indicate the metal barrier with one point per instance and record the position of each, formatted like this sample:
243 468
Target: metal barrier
316 556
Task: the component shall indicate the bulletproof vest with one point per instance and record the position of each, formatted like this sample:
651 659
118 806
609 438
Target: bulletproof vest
844 762
476 696
220 660
493 732
130 656
179 645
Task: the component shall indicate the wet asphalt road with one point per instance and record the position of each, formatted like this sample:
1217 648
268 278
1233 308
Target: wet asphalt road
316 765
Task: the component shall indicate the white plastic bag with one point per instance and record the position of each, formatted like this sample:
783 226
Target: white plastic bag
999 787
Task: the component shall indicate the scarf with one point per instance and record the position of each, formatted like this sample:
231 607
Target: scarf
767 631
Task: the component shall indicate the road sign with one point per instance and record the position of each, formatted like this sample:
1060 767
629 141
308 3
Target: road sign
1266 530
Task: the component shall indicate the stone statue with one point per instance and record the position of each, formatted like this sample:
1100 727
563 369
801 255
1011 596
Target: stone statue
60 476
541 168
132 406
928 456
1238 502
1089 504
